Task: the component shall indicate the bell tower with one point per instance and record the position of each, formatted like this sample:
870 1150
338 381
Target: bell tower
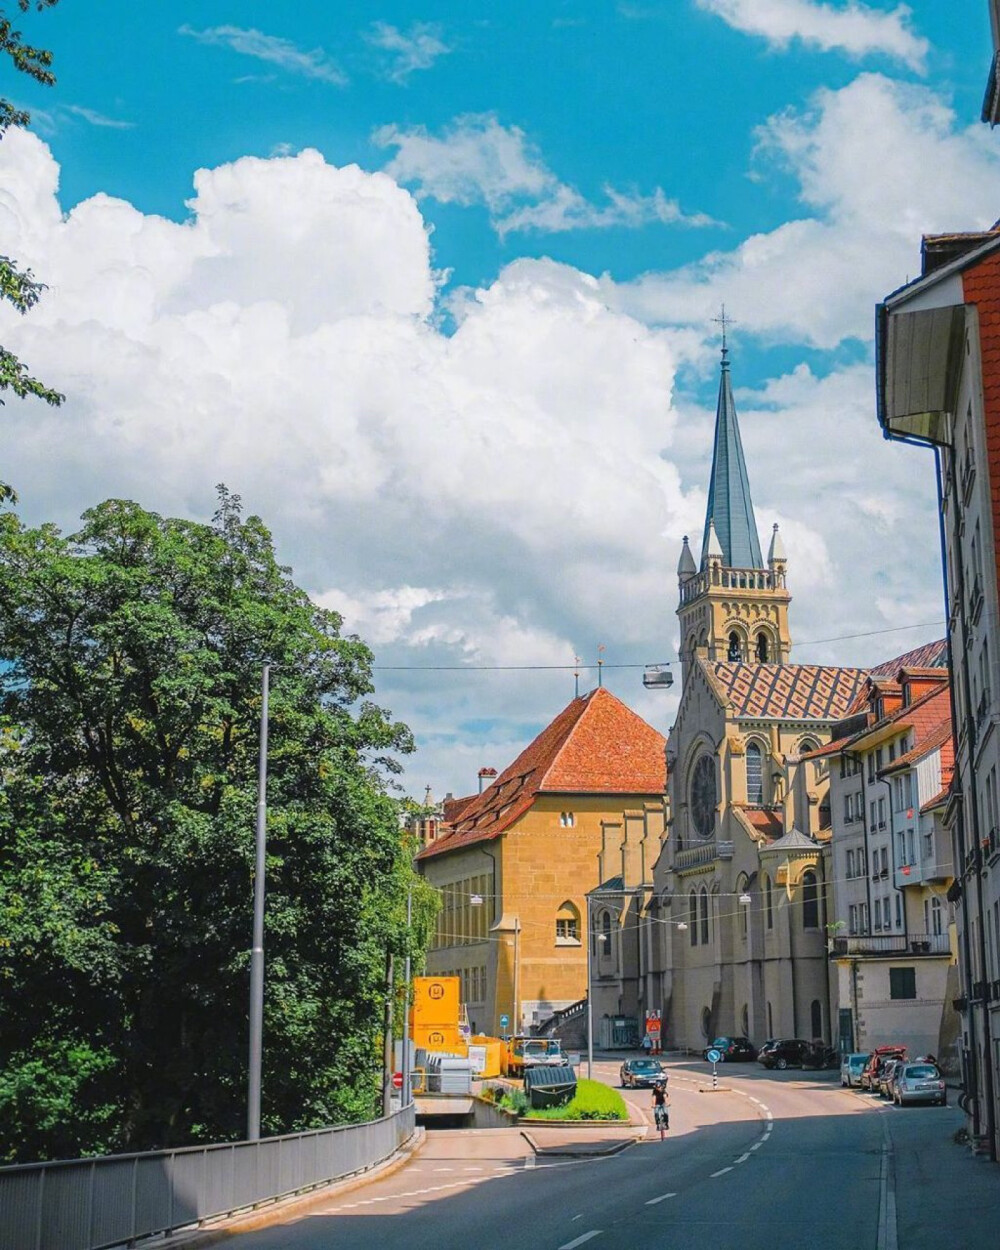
732 606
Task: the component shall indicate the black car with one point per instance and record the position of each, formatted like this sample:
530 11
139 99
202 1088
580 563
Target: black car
732 1049
785 1053
641 1072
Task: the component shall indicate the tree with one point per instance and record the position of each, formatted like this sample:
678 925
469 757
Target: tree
129 712
18 286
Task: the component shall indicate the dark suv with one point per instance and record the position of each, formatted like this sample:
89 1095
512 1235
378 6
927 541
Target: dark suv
785 1053
732 1049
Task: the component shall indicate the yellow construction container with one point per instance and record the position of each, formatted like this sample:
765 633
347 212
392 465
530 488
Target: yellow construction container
490 1052
435 1015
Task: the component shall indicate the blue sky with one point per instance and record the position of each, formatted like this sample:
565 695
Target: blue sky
485 377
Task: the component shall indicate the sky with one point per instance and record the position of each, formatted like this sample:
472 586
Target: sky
434 288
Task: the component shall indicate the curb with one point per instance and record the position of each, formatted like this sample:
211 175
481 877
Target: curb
277 1211
569 1152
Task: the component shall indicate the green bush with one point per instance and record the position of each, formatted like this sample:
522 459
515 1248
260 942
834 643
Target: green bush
592 1101
516 1101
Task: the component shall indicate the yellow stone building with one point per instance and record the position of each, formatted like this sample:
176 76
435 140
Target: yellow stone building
514 864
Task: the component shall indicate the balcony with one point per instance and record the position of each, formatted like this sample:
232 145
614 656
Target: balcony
890 945
694 857
730 579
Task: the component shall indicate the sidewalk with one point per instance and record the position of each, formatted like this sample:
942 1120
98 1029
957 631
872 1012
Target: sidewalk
589 1140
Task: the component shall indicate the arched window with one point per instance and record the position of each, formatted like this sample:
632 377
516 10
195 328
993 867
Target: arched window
755 773
816 1019
704 916
693 917
768 901
762 647
605 948
936 915
567 925
810 901
734 653
742 908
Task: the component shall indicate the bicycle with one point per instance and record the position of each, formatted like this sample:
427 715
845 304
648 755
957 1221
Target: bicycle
662 1118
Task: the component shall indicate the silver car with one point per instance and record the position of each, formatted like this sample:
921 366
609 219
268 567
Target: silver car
851 1067
919 1082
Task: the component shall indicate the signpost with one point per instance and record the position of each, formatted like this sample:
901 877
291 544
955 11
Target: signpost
397 1080
713 1058
504 1024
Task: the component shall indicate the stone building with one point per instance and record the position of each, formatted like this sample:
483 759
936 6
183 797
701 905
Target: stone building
939 387
514 864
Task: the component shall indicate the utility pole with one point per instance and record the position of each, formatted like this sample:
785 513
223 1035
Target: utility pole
387 1047
257 948
407 1091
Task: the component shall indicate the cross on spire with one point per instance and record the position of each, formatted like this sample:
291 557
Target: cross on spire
724 321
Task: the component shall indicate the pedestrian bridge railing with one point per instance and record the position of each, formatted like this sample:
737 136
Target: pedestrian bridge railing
115 1200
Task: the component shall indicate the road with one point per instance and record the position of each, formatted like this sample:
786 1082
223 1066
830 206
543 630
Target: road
772 1161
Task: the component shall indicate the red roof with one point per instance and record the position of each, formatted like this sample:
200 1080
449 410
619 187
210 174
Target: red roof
596 745
765 820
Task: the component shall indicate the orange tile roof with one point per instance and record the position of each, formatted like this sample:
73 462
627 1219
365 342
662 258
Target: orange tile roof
927 740
764 820
596 745
787 691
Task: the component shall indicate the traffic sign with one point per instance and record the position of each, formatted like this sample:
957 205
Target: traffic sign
397 1080
714 1055
504 1021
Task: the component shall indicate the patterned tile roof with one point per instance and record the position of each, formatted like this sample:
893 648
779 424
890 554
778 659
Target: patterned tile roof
787 691
596 745
930 655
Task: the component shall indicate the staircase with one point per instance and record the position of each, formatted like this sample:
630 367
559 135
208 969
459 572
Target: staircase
569 1025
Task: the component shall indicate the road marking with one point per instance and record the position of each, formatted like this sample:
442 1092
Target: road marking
576 1217
529 1160
768 1114
721 1172
578 1241
662 1198
757 1144
887 1232
742 1158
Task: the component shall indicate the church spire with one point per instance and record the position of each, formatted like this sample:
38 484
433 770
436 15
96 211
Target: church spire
730 507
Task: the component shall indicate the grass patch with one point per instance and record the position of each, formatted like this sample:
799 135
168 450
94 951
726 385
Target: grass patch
592 1101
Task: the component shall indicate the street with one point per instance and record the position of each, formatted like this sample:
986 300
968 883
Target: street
771 1161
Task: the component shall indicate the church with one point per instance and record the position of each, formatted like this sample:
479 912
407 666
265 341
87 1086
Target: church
737 910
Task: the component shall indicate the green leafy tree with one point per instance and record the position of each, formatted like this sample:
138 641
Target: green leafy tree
18 286
130 710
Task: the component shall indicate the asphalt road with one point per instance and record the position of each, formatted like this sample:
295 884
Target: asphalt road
773 1161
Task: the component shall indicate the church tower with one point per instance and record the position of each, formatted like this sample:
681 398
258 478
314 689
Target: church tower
733 606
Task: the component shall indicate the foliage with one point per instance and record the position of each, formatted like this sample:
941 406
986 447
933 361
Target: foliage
592 1101
515 1101
129 714
18 286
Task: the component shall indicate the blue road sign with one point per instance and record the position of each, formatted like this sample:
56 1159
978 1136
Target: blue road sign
714 1055
504 1021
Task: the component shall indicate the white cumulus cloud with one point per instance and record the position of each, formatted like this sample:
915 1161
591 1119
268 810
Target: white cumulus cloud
477 160
855 29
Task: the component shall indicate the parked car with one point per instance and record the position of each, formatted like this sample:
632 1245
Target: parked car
785 1053
732 1049
873 1065
635 1073
851 1067
919 1082
885 1074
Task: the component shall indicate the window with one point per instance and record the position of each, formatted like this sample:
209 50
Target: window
936 916
902 982
852 919
810 904
768 901
878 916
848 809
567 925
567 819
606 933
863 917
872 815
762 648
734 655
704 916
881 813
742 908
899 911
816 1018
850 863
693 917
755 774
745 1020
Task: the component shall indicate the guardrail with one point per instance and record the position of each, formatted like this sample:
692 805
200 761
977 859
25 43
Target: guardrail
114 1200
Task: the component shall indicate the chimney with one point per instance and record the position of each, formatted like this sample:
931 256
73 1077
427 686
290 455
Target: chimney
486 776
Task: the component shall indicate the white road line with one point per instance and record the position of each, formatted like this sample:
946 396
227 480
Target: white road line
742 1158
578 1241
662 1198
757 1144
721 1172
768 1114
576 1217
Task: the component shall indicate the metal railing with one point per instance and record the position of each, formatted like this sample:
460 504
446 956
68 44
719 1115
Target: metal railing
892 944
113 1200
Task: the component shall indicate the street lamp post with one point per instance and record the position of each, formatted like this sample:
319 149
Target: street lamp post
257 947
590 996
407 1095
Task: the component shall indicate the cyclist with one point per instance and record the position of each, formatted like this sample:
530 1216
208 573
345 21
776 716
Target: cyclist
661 1105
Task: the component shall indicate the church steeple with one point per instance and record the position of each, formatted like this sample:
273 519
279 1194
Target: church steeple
730 507
733 607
